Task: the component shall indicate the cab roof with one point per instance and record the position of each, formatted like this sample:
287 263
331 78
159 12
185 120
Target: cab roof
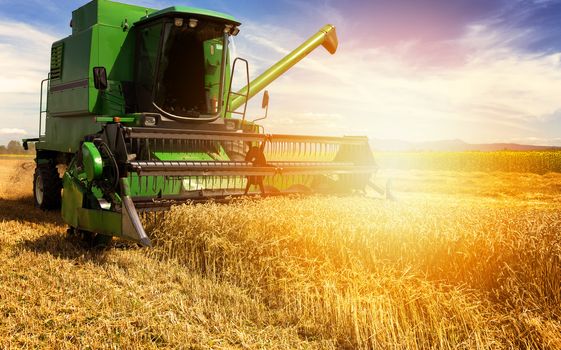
187 10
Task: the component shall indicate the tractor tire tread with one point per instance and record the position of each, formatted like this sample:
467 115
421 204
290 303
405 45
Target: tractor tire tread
52 186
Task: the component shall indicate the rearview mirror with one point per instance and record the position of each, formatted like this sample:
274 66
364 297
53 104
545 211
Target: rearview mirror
264 105
100 78
265 102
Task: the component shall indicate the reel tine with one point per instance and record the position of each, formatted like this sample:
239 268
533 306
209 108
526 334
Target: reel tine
297 155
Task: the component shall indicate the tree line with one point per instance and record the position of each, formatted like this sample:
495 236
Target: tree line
15 147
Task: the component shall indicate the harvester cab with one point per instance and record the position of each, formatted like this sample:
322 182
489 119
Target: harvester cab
140 114
181 66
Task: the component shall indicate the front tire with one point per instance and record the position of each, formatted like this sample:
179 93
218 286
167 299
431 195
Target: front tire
46 187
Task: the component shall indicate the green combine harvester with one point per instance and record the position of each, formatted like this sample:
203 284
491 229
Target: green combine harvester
140 115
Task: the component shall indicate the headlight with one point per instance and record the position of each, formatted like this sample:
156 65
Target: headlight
150 120
178 22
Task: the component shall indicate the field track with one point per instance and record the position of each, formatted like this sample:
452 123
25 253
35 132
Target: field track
463 260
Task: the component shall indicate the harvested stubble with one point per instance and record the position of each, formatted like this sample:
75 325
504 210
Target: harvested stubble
57 294
456 274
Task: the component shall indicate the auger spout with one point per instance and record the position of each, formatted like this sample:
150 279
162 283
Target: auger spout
326 36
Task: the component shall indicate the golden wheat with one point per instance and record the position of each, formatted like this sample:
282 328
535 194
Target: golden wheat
417 274
538 162
462 260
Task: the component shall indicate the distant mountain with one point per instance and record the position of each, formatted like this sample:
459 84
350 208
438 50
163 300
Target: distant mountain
453 146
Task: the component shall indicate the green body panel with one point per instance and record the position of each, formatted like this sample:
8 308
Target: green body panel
93 165
68 94
93 220
213 54
104 222
72 199
192 156
107 13
76 214
101 36
106 49
64 134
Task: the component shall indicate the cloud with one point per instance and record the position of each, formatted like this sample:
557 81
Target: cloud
24 62
497 93
493 91
539 16
24 56
12 131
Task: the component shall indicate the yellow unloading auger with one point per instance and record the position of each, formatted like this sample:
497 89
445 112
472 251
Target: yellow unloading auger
148 123
326 37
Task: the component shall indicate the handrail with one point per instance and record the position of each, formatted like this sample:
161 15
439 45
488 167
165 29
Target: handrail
228 109
41 111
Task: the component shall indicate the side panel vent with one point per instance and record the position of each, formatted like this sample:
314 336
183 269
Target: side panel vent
56 61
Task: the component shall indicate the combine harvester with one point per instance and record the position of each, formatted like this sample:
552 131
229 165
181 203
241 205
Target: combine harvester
140 113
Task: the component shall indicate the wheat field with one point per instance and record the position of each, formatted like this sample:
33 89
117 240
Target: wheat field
462 260
536 162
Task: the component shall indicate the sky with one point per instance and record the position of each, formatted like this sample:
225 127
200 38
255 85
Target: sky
414 70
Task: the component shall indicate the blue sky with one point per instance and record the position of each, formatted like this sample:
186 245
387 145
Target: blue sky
477 70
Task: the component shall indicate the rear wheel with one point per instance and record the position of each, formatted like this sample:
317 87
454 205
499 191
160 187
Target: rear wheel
46 187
